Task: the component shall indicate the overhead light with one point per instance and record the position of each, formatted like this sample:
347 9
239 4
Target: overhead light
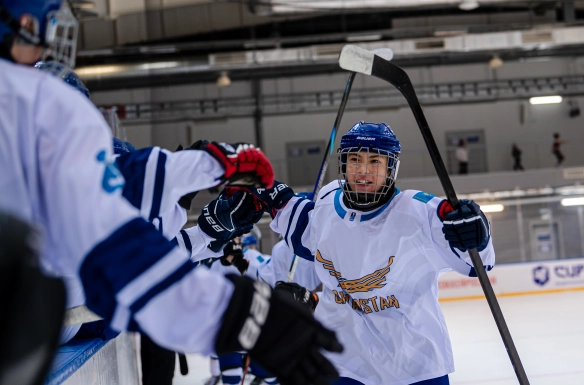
82 4
554 99
364 37
495 62
223 80
572 201
492 208
468 5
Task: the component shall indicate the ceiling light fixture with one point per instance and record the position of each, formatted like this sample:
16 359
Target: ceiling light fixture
468 5
495 62
572 201
223 80
492 208
553 99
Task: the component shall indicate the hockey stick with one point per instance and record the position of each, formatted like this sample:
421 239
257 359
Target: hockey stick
79 315
356 59
184 366
326 158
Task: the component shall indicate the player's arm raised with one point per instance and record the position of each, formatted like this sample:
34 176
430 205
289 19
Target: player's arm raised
454 232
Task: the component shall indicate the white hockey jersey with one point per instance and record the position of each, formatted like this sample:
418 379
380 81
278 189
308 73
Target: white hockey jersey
380 272
156 179
57 172
277 268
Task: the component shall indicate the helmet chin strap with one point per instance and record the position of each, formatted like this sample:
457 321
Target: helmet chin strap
368 206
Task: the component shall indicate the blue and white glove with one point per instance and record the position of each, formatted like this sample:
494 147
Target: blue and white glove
273 198
225 216
466 228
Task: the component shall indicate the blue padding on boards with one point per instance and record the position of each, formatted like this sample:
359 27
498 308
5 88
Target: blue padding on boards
71 357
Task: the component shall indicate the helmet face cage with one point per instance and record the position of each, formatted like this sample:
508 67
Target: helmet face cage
351 170
61 40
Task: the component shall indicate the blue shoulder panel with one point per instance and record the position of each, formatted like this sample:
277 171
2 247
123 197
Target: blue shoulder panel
338 208
423 197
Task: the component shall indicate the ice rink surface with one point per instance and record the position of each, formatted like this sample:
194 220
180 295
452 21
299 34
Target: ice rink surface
548 330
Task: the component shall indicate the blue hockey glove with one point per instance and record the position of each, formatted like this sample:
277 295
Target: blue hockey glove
229 213
274 198
466 228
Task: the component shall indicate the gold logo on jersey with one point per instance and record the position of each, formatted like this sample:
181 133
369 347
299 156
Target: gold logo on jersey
375 280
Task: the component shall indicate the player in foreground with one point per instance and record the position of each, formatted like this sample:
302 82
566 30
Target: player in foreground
57 172
379 252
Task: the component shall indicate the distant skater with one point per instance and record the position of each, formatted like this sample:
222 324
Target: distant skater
556 149
462 157
516 154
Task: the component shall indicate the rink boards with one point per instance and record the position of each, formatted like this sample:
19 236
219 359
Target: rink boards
514 279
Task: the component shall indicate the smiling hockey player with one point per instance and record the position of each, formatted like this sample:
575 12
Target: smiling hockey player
379 252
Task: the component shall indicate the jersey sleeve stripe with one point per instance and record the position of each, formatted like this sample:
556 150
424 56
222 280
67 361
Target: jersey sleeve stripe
133 168
301 224
158 185
187 241
125 265
171 279
291 218
149 177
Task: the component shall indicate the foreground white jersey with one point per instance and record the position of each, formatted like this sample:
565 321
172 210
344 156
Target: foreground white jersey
57 172
379 271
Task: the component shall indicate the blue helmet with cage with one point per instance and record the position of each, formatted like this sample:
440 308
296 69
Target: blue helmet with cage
363 149
49 24
249 240
64 73
121 147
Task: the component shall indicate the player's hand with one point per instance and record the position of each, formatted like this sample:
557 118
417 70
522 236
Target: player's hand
233 255
466 228
244 164
225 217
274 198
299 293
279 333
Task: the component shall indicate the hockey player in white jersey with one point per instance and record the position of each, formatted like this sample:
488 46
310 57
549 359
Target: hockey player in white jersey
379 252
132 276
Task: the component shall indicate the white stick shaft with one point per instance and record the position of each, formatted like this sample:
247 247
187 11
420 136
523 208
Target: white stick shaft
79 315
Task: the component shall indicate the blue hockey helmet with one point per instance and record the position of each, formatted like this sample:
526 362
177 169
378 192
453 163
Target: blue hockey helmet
368 139
121 147
249 240
51 25
64 73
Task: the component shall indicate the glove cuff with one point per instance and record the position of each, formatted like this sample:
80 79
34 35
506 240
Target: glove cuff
444 208
246 313
214 149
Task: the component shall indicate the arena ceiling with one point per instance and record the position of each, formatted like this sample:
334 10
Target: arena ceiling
149 42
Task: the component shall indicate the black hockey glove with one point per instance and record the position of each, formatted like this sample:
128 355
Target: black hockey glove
227 215
466 228
299 293
274 198
244 164
235 249
279 333
186 200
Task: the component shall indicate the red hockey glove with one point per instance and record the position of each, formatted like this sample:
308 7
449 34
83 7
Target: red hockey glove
244 164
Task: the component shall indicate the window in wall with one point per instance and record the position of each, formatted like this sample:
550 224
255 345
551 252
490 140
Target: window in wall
476 147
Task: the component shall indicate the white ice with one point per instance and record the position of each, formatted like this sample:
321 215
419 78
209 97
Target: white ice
548 330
